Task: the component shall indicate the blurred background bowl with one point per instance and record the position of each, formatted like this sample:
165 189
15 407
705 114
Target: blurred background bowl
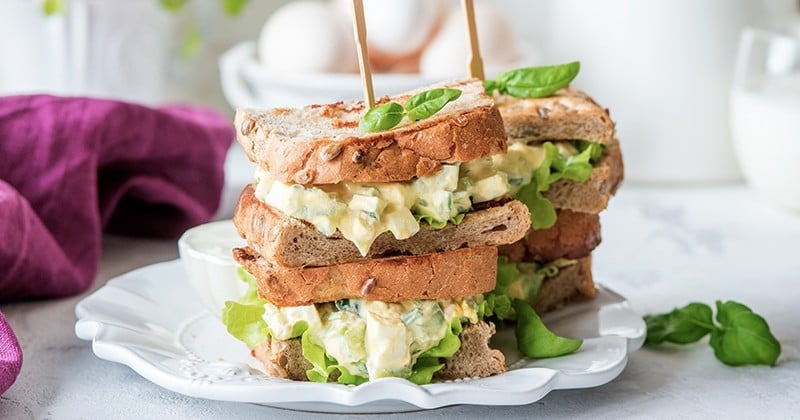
245 83
206 254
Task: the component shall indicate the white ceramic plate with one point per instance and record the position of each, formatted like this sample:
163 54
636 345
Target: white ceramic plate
149 319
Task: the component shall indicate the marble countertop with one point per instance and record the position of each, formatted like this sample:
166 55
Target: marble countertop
662 247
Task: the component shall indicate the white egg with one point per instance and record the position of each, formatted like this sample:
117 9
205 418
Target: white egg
398 28
447 54
307 37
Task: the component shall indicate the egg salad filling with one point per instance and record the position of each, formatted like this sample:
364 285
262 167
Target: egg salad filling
355 340
363 211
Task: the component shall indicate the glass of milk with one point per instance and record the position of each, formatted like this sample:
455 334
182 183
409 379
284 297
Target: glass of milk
765 115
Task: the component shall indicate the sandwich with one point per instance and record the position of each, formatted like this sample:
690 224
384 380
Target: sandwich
369 253
551 265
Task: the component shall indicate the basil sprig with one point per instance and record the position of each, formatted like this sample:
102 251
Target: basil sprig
418 107
533 82
739 336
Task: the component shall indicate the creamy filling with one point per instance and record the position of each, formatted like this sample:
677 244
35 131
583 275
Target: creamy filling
373 339
363 211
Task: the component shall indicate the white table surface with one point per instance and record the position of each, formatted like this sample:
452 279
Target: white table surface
662 247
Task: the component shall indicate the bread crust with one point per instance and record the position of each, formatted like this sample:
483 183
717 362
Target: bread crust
290 242
573 236
569 114
443 275
338 152
572 283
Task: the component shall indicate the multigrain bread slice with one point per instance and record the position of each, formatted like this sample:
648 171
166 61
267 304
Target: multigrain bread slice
573 236
474 358
591 196
572 283
569 114
321 144
284 358
290 242
392 279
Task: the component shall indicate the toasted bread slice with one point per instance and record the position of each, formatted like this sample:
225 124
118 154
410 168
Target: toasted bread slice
591 196
573 236
284 358
290 242
443 275
572 283
321 144
569 114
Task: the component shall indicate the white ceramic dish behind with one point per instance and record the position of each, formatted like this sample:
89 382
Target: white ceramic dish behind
245 83
148 320
210 269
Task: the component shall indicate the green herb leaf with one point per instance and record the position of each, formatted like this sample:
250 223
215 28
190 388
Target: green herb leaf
535 340
490 86
52 7
429 102
744 337
172 6
234 8
682 326
537 82
382 117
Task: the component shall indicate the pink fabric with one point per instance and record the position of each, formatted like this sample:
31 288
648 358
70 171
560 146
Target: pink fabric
71 168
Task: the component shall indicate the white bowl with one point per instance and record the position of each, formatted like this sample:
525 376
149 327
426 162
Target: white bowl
246 83
206 254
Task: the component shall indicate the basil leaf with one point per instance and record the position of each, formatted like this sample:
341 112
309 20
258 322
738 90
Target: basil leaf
490 86
537 82
381 117
429 102
535 340
744 337
682 326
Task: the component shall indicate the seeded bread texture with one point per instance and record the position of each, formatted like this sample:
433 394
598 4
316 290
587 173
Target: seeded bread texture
321 144
569 114
443 275
290 242
284 358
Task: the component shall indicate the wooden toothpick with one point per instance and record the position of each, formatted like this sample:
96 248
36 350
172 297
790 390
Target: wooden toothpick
360 32
475 62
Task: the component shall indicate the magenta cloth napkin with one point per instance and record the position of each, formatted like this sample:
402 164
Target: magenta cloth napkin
71 168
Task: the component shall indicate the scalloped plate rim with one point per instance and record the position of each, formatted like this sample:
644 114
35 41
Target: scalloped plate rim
335 397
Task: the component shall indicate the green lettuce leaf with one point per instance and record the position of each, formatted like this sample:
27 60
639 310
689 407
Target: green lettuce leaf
553 168
535 340
244 318
438 224
323 366
516 281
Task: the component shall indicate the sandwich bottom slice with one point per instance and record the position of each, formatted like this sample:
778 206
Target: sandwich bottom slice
418 317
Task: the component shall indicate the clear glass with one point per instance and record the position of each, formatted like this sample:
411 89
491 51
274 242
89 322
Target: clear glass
765 115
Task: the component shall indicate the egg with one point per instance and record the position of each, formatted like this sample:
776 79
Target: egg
398 29
307 37
447 54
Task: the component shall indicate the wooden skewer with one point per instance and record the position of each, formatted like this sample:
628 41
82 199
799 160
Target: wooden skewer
360 32
475 62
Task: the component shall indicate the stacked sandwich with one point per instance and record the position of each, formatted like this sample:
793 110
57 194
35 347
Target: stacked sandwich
578 168
369 254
